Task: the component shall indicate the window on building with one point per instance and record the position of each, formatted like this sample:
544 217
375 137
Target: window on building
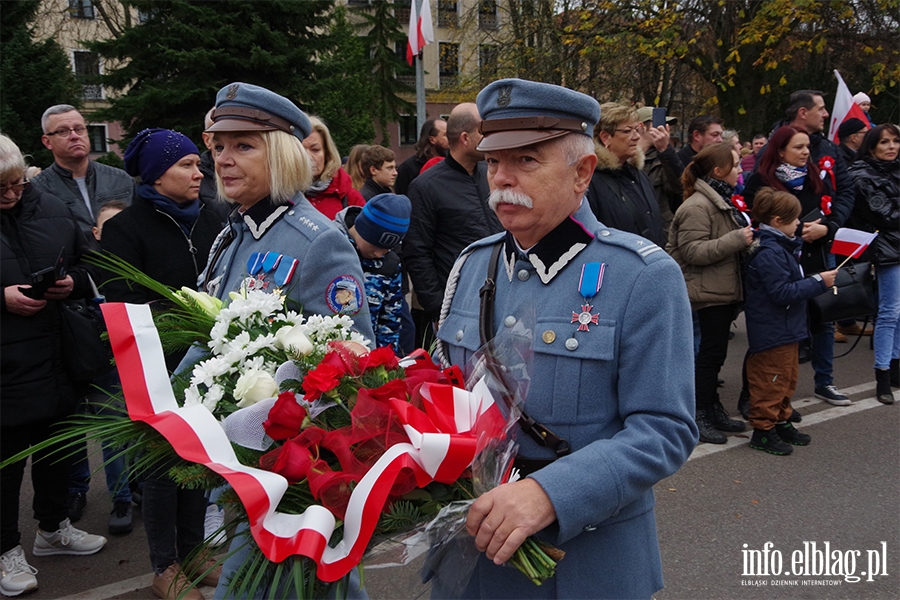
408 133
448 13
488 56
402 10
487 15
81 9
97 135
143 16
449 65
87 69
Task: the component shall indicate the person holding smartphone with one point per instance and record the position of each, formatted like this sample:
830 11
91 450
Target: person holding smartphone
36 393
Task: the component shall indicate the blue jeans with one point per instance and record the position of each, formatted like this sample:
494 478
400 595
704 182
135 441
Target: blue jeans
238 551
99 402
823 347
887 327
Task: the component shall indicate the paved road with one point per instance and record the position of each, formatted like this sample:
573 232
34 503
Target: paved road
843 490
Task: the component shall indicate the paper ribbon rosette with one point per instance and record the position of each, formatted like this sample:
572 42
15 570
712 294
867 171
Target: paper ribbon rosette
442 442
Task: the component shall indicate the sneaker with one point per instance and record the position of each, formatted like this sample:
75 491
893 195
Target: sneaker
66 540
172 584
120 518
708 431
769 441
832 395
77 502
213 526
16 575
795 417
789 434
722 422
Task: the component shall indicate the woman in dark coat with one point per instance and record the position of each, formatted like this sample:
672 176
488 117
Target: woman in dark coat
620 194
167 233
35 231
877 178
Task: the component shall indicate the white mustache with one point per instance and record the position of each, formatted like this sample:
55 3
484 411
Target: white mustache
509 197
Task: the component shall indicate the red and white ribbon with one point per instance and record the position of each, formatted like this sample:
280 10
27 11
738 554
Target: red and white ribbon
444 440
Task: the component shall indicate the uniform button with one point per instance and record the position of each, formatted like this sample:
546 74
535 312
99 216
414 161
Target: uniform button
549 336
509 321
590 527
523 275
290 212
605 232
459 335
571 344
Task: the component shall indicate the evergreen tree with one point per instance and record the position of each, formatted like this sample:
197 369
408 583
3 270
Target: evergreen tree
34 75
186 50
382 34
344 96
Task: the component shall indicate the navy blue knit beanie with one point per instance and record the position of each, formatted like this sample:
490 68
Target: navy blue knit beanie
384 220
153 151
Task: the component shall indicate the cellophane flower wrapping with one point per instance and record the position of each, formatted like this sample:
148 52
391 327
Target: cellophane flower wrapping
450 553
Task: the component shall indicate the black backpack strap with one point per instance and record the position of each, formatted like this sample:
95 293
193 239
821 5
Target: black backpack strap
538 432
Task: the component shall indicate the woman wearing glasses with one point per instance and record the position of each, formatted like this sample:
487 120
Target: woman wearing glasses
35 231
620 193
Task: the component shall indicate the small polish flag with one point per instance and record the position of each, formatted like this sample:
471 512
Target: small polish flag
421 29
851 242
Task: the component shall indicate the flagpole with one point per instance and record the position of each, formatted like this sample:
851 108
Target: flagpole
420 93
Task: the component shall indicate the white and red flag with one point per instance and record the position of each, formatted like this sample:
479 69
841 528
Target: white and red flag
851 242
421 29
844 108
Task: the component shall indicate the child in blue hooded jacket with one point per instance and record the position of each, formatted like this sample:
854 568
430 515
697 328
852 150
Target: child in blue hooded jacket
775 297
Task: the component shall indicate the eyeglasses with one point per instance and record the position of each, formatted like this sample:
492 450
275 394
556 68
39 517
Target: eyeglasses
629 131
15 187
65 131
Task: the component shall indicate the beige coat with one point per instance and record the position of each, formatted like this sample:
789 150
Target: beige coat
707 242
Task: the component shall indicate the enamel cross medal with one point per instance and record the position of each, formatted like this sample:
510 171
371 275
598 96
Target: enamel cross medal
588 286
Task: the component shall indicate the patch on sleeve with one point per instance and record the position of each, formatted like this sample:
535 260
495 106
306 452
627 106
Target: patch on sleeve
344 295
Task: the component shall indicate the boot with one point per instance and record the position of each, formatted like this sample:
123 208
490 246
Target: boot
883 386
722 422
743 406
708 431
895 372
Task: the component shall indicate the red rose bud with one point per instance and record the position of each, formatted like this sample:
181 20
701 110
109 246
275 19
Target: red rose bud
292 461
323 378
383 356
285 417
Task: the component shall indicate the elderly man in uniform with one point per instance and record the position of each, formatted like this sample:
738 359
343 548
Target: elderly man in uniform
611 380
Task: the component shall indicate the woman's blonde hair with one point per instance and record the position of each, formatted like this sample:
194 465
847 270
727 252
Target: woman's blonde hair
332 155
613 114
289 166
12 163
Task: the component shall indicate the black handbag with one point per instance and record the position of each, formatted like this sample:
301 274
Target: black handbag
86 354
851 297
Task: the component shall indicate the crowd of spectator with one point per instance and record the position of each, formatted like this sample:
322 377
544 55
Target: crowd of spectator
741 220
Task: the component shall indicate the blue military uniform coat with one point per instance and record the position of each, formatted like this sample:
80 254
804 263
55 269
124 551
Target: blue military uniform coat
328 279
621 393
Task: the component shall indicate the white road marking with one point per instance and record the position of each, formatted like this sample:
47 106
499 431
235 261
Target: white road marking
828 414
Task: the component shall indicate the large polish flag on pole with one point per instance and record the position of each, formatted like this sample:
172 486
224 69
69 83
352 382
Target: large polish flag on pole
421 29
844 108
